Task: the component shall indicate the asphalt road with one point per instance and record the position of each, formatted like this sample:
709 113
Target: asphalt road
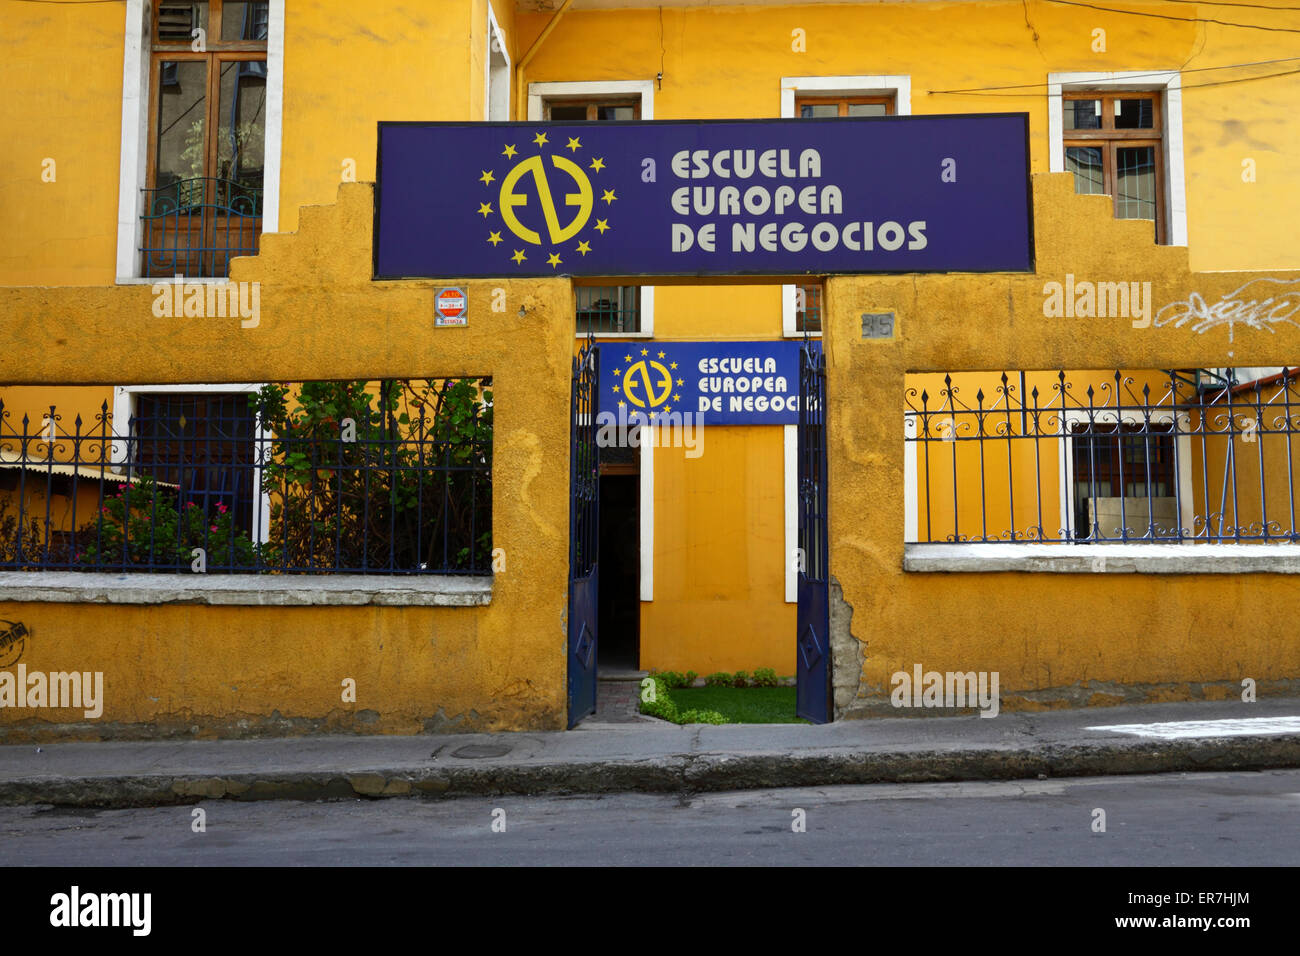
1239 819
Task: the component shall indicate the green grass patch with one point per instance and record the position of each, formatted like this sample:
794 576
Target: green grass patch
740 705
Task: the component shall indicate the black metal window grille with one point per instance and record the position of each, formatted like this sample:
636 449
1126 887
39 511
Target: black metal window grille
808 307
386 477
203 445
1161 456
605 309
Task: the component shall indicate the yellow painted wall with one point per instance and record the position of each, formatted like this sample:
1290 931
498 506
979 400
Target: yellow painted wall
719 542
232 671
348 66
1055 639
721 62
62 76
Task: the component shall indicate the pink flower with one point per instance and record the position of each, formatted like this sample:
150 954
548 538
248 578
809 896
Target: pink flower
105 510
190 504
221 507
214 528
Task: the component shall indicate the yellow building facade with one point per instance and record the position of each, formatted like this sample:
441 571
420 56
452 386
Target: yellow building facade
1189 123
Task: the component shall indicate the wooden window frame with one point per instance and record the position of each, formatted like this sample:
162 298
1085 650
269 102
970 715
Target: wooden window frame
593 104
1111 140
844 102
216 55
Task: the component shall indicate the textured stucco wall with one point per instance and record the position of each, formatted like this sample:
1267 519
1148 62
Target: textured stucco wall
235 670
1055 639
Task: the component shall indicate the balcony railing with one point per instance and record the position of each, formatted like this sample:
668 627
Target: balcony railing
194 227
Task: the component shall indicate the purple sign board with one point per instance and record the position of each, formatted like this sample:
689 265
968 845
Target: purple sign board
710 198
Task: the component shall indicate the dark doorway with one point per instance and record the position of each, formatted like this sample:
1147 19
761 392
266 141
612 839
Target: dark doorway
619 607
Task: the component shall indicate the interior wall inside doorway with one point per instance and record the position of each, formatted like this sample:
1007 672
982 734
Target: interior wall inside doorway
719 583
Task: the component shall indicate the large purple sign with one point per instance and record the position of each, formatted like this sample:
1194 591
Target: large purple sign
776 197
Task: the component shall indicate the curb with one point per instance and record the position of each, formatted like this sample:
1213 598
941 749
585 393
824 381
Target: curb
676 773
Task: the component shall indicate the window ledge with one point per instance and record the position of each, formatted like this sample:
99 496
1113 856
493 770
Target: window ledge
273 590
1116 558
171 280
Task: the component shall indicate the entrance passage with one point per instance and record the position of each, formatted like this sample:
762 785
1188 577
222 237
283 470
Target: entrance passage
619 610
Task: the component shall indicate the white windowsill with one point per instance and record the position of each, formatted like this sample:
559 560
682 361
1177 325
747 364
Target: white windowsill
171 280
1116 558
274 590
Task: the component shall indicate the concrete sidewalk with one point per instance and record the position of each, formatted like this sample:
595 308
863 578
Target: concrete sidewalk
654 757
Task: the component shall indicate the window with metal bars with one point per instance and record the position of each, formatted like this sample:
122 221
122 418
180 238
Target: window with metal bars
383 477
1113 145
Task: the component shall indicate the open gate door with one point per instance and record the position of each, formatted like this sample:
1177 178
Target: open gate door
813 664
584 535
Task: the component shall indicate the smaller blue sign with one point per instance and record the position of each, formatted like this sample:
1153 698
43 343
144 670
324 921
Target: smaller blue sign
699 383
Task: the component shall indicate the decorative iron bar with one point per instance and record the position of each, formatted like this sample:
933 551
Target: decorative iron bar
813 524
584 452
194 227
386 477
1178 456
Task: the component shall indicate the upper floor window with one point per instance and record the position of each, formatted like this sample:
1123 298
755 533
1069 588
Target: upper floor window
824 107
594 110
602 309
1113 146
207 140
808 296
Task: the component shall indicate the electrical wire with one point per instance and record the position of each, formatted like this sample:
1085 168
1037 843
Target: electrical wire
1163 16
1137 76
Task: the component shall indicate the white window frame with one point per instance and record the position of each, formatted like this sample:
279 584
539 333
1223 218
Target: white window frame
495 33
1104 416
137 56
538 95
1165 82
897 86
124 409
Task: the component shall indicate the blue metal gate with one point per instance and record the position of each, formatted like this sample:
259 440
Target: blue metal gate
813 664
584 534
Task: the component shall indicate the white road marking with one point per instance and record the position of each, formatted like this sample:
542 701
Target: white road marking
1232 727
